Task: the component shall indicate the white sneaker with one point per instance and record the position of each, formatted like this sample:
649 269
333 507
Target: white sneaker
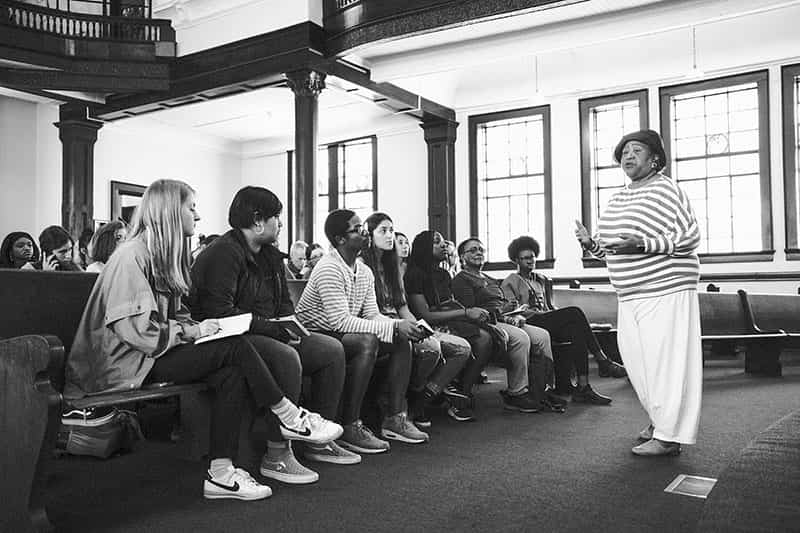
287 469
311 427
239 485
332 453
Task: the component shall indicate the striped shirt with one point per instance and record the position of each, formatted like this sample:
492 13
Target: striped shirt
661 214
337 298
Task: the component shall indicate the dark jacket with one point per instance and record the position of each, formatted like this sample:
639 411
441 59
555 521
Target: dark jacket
229 279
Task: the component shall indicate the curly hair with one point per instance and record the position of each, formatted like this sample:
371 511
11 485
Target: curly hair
522 243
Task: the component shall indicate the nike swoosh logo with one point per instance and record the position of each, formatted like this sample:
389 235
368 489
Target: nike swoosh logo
232 488
304 433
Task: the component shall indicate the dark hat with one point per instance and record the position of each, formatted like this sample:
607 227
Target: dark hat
649 138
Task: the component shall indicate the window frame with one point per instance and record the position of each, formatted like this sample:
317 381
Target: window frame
761 79
332 150
790 163
584 106
474 121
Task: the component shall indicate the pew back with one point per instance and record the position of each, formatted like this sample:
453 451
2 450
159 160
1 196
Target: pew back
776 311
38 302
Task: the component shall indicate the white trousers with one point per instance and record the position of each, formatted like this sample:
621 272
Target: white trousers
659 340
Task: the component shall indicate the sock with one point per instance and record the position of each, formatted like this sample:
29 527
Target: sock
286 411
221 467
277 449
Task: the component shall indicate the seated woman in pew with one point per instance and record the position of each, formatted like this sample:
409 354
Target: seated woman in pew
242 272
436 359
403 246
134 330
19 250
57 250
529 351
103 243
529 288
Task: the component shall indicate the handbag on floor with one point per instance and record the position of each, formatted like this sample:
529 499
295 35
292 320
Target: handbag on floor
99 436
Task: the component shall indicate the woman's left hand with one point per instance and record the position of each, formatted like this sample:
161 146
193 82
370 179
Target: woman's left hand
626 244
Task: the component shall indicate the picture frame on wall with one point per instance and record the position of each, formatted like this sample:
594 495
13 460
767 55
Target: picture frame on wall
125 197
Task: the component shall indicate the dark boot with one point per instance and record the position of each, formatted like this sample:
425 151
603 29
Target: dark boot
608 368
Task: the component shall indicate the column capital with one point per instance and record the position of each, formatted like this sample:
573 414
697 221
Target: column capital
439 130
306 82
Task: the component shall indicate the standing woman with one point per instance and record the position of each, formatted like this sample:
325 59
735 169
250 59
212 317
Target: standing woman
648 235
134 330
436 359
19 250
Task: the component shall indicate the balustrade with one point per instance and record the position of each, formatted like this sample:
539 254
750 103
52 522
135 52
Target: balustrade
131 25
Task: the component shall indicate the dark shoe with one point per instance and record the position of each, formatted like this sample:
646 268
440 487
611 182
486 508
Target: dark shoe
422 420
549 407
609 368
524 403
655 447
552 398
588 395
461 414
455 395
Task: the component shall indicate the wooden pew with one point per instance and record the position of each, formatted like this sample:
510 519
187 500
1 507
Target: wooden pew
38 321
723 317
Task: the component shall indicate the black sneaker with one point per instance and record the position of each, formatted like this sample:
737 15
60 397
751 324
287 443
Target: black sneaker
588 395
89 417
523 403
555 399
460 414
455 395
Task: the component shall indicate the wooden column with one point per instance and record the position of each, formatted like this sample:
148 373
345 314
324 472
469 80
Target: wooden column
440 135
306 85
78 134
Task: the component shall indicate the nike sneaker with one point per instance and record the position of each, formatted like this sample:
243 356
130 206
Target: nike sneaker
399 427
359 439
331 453
287 469
311 427
238 485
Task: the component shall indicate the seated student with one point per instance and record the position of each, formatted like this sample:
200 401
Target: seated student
339 300
296 261
103 243
427 287
19 250
529 351
529 288
242 272
134 330
57 250
403 246
314 253
83 247
438 358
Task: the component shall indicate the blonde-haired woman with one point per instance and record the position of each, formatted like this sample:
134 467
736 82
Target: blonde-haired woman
134 330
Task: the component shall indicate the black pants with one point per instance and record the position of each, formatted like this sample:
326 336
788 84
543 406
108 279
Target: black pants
482 347
360 352
230 366
318 356
570 324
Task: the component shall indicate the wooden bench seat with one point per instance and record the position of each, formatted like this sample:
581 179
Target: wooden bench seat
723 317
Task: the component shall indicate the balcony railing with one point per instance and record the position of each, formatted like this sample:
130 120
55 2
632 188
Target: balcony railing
134 26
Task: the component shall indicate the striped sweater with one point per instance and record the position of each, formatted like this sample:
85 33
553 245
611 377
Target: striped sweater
661 214
336 298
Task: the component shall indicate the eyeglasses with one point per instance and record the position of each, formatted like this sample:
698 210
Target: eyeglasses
359 229
475 249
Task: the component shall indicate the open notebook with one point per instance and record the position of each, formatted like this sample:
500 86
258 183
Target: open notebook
228 326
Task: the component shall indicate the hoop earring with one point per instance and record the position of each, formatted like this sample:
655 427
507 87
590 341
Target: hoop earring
654 164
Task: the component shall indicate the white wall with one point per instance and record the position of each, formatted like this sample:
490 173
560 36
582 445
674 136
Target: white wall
203 24
134 151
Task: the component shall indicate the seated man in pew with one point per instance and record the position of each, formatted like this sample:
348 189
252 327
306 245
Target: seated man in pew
339 300
529 288
242 272
134 330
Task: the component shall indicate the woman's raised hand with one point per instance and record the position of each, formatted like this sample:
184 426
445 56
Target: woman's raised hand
582 234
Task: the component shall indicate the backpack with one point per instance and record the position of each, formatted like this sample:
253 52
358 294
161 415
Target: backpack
117 432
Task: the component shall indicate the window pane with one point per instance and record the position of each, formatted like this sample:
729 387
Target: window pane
510 176
607 124
716 159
